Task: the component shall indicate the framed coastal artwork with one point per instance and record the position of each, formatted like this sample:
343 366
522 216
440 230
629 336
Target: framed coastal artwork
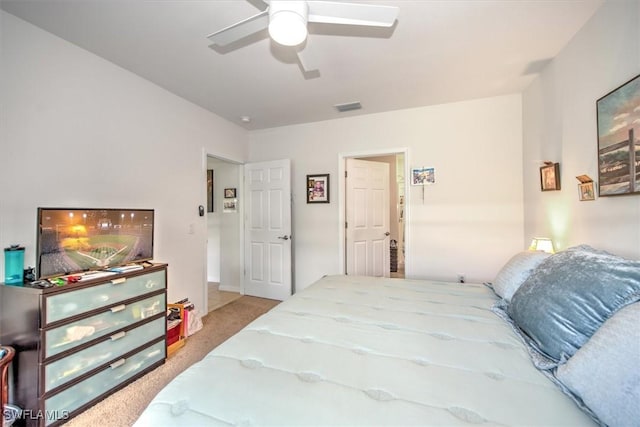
619 140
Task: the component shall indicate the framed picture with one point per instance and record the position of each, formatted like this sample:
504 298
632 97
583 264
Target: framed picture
229 193
550 177
318 188
230 206
423 176
210 204
586 191
619 140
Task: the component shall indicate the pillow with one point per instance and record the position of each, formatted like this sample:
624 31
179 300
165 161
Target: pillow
569 296
604 373
515 272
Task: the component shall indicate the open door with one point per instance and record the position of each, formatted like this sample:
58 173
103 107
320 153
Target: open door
367 218
267 194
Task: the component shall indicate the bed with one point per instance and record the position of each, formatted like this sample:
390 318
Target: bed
373 351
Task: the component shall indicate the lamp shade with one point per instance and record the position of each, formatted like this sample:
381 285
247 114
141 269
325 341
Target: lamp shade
543 244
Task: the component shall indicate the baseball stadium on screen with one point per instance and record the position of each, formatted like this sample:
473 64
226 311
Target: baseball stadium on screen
74 240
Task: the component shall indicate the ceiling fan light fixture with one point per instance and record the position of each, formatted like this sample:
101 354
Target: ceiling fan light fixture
288 22
287 28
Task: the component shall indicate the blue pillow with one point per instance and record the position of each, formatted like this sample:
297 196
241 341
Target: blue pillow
604 373
569 296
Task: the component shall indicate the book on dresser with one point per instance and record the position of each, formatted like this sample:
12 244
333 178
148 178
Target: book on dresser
79 342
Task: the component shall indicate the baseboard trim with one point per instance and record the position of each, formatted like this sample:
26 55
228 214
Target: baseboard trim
229 288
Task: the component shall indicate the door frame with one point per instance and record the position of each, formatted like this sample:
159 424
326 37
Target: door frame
342 205
205 279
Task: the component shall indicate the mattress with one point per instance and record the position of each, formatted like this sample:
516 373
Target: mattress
369 351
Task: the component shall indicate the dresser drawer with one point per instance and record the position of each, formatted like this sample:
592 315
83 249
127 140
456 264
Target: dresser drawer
67 304
77 364
91 388
84 330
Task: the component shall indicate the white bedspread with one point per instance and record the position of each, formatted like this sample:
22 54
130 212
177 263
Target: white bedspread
369 351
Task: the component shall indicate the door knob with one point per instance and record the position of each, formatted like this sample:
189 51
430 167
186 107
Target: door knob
387 234
285 237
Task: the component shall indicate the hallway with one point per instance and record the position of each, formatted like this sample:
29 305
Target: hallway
217 298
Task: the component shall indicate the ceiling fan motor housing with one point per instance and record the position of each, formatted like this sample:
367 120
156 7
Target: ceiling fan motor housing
288 21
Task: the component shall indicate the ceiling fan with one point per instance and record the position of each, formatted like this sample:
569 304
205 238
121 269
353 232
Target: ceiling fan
287 21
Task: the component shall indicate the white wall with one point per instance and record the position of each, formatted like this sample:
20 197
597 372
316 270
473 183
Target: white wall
559 124
78 131
470 222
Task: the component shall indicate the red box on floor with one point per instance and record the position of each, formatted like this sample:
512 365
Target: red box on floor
173 334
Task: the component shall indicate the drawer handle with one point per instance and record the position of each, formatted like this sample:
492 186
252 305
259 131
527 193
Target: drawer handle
118 281
118 308
117 336
118 363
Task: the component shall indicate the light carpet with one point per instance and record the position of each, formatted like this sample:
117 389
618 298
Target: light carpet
125 406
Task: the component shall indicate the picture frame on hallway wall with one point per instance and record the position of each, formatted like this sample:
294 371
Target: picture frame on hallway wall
210 200
230 206
550 176
318 188
618 116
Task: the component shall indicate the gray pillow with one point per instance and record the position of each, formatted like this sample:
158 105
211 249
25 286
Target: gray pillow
604 373
569 296
515 272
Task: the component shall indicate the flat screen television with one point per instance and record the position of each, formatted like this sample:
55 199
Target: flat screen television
73 240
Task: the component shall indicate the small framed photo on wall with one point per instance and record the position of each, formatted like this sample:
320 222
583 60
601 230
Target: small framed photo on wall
423 176
229 193
318 188
586 188
550 176
586 191
230 206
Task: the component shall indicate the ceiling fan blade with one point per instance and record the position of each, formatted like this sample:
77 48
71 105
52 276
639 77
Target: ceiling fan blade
260 4
352 13
240 30
306 60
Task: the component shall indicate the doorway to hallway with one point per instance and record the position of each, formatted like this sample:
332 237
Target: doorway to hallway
224 235
374 213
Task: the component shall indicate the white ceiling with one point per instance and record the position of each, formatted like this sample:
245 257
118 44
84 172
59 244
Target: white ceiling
438 52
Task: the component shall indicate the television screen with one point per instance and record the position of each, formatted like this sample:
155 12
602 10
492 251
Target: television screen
74 240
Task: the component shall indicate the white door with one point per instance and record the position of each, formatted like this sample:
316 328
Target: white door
267 189
367 216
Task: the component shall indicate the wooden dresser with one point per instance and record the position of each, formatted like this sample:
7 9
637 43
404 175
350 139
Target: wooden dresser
77 343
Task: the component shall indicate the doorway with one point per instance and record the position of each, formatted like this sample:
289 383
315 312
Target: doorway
246 195
396 243
224 236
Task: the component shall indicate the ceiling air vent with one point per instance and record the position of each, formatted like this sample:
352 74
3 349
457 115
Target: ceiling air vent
350 106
